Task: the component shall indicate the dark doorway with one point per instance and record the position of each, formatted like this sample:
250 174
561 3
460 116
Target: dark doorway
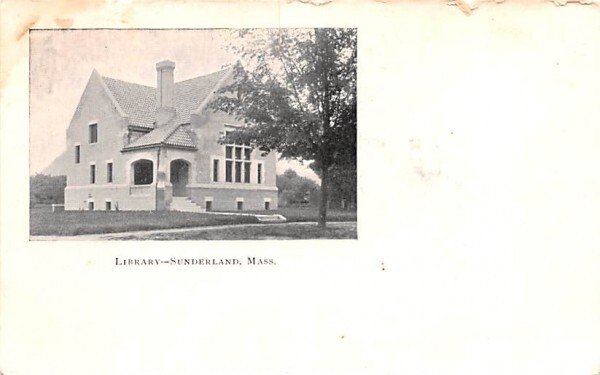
179 177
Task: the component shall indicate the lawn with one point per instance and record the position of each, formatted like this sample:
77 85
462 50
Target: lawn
298 214
43 222
290 231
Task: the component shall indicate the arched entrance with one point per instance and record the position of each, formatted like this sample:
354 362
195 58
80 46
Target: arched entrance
180 171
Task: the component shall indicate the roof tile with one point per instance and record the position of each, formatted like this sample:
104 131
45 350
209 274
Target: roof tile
139 101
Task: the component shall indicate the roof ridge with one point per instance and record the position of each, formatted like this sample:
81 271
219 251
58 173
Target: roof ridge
206 75
185 80
129 83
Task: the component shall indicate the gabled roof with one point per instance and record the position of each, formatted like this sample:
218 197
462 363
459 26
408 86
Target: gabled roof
139 101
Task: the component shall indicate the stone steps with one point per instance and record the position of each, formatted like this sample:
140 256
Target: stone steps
271 218
184 204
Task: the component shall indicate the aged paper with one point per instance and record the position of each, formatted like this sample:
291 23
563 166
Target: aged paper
479 202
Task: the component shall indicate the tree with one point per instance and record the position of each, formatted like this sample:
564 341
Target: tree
296 92
342 185
46 189
294 188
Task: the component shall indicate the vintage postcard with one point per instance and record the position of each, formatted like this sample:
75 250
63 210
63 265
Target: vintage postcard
300 187
258 127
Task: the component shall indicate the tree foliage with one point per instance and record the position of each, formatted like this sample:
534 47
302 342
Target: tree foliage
296 91
294 189
47 189
343 186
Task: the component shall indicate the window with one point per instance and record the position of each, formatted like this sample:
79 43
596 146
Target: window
247 172
238 171
208 205
267 206
109 172
259 174
91 206
237 161
240 205
215 170
108 205
93 133
143 172
228 170
77 154
92 173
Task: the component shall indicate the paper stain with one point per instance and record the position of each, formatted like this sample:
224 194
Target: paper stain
467 6
382 266
312 2
28 14
426 175
565 2
414 145
64 23
24 29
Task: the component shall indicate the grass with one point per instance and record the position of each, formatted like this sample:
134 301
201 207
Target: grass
293 231
43 222
300 214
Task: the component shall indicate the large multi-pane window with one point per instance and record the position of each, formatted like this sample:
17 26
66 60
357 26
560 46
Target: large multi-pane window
247 172
93 133
237 163
228 170
238 171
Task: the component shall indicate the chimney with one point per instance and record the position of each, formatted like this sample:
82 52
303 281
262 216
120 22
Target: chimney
164 92
164 83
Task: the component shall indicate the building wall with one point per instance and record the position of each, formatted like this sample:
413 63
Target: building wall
120 197
226 199
209 127
95 107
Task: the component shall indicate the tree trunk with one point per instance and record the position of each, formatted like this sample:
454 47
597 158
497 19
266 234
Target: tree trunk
324 197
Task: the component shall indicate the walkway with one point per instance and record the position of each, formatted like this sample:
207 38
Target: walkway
128 235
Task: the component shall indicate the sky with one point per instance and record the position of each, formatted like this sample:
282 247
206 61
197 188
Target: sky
62 61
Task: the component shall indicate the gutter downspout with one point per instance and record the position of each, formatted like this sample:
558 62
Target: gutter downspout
156 183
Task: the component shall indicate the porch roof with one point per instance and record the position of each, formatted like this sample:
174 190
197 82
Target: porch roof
173 134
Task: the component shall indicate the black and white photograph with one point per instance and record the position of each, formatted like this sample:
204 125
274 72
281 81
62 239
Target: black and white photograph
181 183
167 134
